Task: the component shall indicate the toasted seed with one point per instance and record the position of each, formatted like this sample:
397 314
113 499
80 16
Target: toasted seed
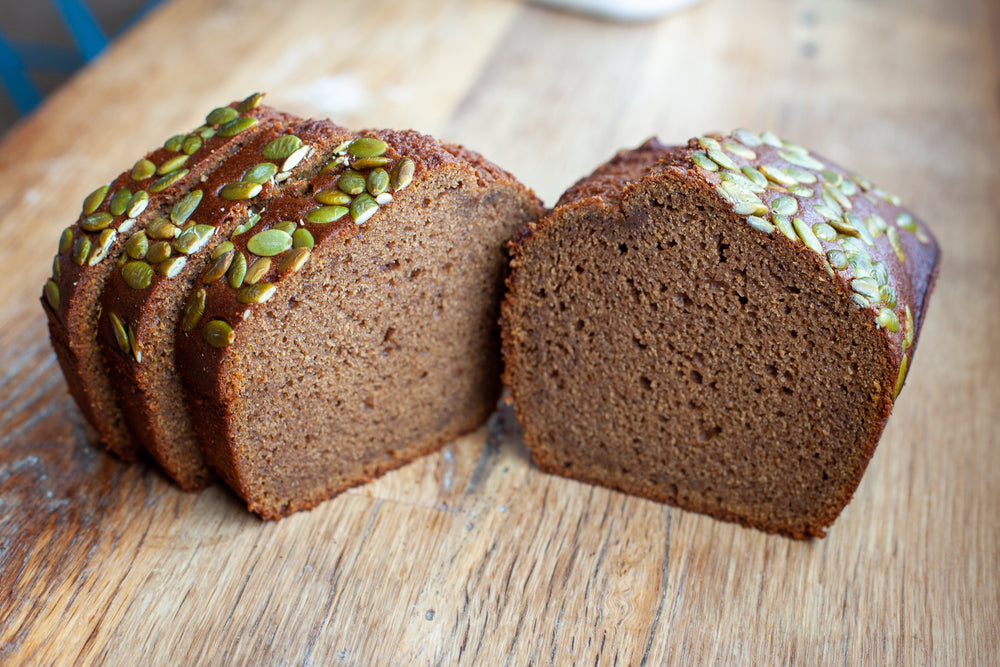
325 214
137 274
237 270
709 143
777 175
121 336
207 133
863 182
861 264
295 158
888 295
164 182
739 150
240 190
838 196
173 164
56 268
218 334
134 344
237 125
260 173
738 179
838 259
250 103
908 332
333 198
269 243
402 173
137 245
174 143
51 291
861 301
137 203
185 206
747 137
245 226
362 208
369 162
383 199
858 224
193 309
258 293
294 259
886 196
757 178
880 272
824 232
257 270
119 201
723 160
222 249
95 222
800 159
893 237
126 225
806 234
800 190
94 200
760 224
220 115
218 268
701 159
81 249
800 175
866 287
191 144
100 249
66 241
784 225
785 205
302 238
904 362
378 182
142 169
287 226
282 147
161 228
171 268
363 147
194 239
158 252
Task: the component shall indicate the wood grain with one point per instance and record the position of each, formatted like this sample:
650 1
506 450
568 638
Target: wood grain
471 556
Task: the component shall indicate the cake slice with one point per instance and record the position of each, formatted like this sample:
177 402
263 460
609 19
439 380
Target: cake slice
723 326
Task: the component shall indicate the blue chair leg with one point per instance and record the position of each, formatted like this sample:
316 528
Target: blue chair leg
15 79
82 26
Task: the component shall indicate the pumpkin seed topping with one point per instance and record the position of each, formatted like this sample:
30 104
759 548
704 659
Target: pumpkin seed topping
700 158
220 115
161 228
838 259
326 214
94 199
66 241
294 259
402 173
363 208
295 158
723 160
119 201
369 162
824 232
771 139
51 290
894 241
303 238
218 334
287 226
333 198
134 344
240 190
806 234
137 203
194 239
802 159
888 296
827 212
901 377
236 126
800 190
866 287
269 243
81 249
250 103
848 187
185 206
258 293
778 176
785 205
784 225
137 274
158 252
757 178
171 268
207 133
137 245
378 182
173 164
709 143
237 270
56 268
760 224
876 224
739 150
245 226
222 249
142 170
257 270
193 309
174 143
260 173
100 249
191 144
218 268
118 329
164 182
906 221
281 147
858 224
747 137
880 272
95 222
363 147
383 199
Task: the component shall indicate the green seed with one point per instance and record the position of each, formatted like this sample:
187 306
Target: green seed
220 115
325 214
827 212
742 182
172 165
785 205
362 208
888 295
800 190
838 259
207 133
778 176
906 221
246 225
294 259
134 344
760 224
709 144
757 178
723 160
282 147
402 173
121 336
240 190
861 264
333 198
824 232
837 196
100 249
366 147
222 249
164 182
893 237
848 188
269 243
56 268
257 270
295 158
747 137
800 175
237 270
171 268
858 224
218 268
831 177
784 225
908 332
237 125
342 147
161 228
258 293
378 182
143 169
880 272
260 173
137 245
739 150
193 309
801 159
194 239
383 199
174 143
137 203
867 288
369 162
876 224
52 294
286 226
700 159
81 250
770 139
303 238
901 377
184 207
66 241
158 252
95 222
806 234
862 182
94 199
191 144
250 103
137 274
119 201
218 334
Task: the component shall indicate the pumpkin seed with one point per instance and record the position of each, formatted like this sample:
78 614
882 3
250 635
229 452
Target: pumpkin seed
806 234
207 133
174 143
739 150
244 226
258 293
222 249
260 173
220 115
861 301
402 173
858 224
861 264
94 199
908 332
760 224
218 334
886 196
824 232
744 202
137 203
363 147
237 270
904 362
142 169
126 225
100 249
194 239
240 190
65 240
838 259
269 243
800 175
287 226
709 143
164 182
757 178
383 199
51 290
137 274
848 188
800 190
173 164
888 295
906 221
95 222
134 344
333 198
191 144
137 245
81 249
880 272
119 201
184 207
701 159
826 212
832 177
785 205
158 252
294 259
738 179
723 160
218 268
747 137
161 228
838 196
378 182
363 208
325 214
257 270
171 268
302 238
778 176
236 126
250 103
893 237
193 309
295 158
876 224
121 336
784 225
369 162
866 287
863 182
770 139
333 164
800 159
281 147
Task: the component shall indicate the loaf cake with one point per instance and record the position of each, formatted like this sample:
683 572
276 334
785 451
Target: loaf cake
285 303
723 326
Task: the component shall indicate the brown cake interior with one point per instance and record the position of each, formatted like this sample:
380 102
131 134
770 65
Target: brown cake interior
676 353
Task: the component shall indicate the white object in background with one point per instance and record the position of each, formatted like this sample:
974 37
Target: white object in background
621 10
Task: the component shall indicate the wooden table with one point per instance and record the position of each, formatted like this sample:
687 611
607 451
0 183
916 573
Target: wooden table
471 555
